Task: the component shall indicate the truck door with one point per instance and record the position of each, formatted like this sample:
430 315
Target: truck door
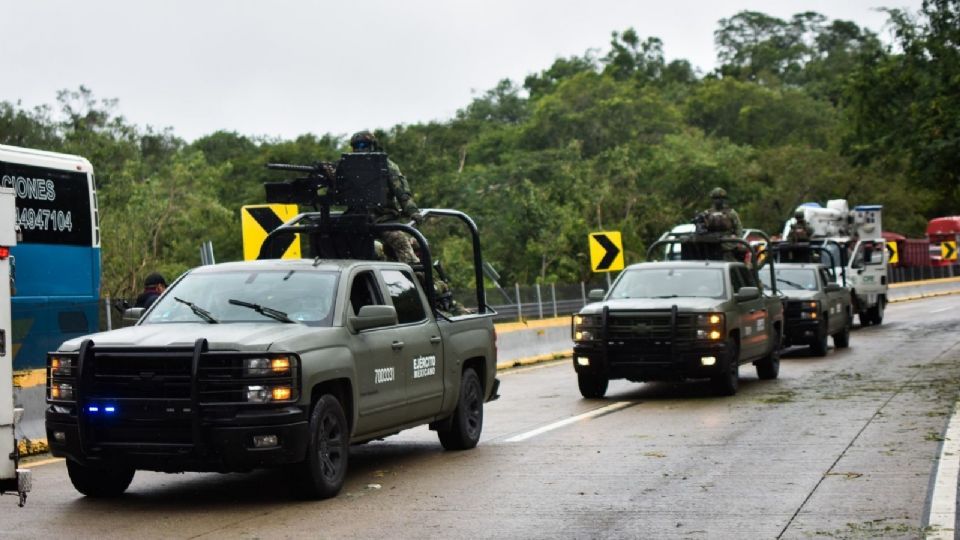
753 315
378 362
421 346
834 307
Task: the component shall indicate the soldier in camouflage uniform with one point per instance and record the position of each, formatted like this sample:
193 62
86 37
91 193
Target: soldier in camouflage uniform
399 208
722 221
800 231
720 217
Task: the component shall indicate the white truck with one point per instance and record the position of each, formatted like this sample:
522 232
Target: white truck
13 479
861 253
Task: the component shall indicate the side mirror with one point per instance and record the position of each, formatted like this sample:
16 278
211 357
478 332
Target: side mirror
833 287
373 317
132 315
747 293
596 294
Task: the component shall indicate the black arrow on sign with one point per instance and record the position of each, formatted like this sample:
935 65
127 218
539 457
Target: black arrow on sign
268 221
951 253
612 251
890 252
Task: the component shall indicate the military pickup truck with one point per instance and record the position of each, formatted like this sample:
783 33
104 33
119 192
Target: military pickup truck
268 363
676 320
281 362
819 303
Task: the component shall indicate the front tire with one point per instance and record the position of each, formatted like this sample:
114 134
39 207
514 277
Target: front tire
819 347
768 368
464 432
99 482
727 382
876 312
321 474
592 386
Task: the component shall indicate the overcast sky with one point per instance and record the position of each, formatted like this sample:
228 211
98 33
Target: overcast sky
284 67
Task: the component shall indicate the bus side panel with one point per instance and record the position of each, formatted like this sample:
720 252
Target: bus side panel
57 298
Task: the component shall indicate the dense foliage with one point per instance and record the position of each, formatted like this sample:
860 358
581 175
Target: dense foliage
799 110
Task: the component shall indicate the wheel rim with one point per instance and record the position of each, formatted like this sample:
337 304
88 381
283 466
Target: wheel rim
330 447
473 409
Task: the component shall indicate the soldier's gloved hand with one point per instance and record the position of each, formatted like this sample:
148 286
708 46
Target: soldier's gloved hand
417 218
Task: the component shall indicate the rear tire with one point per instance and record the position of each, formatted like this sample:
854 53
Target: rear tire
876 312
768 368
322 472
592 386
841 340
99 482
464 432
727 382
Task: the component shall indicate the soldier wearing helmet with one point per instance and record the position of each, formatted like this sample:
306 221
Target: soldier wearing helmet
400 205
720 217
800 231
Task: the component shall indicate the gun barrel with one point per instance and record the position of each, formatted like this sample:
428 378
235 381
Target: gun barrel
291 167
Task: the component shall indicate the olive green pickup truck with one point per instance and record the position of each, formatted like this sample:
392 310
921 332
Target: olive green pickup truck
816 306
268 363
677 320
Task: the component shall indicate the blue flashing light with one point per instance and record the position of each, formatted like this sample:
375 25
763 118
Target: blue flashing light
93 409
110 409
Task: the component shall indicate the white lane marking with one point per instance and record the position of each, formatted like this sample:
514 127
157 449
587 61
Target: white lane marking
556 425
943 500
941 310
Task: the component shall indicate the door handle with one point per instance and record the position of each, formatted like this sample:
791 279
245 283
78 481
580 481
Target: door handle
434 339
397 345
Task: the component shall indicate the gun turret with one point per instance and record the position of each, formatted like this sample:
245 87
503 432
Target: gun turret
317 189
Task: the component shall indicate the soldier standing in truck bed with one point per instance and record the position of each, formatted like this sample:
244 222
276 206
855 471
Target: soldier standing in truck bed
720 217
400 205
800 231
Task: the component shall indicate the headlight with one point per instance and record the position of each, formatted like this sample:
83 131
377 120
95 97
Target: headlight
809 310
267 394
264 367
710 326
61 366
61 392
585 327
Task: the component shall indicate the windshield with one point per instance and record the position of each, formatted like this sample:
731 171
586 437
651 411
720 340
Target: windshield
670 282
795 279
303 296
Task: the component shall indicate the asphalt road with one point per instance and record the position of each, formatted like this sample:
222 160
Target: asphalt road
839 447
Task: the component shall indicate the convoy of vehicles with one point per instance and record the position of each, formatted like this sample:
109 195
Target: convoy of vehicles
273 363
699 317
277 362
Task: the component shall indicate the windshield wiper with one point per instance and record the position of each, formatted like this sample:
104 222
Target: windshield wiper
269 312
198 311
666 296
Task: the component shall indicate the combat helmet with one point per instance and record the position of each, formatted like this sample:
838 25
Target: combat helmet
364 141
718 193
799 214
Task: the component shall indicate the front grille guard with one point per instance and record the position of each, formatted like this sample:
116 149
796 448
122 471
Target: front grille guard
86 371
605 327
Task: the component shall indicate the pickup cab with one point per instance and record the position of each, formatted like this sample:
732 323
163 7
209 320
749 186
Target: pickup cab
268 363
677 320
817 307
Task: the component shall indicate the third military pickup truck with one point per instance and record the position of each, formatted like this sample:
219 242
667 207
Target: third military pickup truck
268 363
676 320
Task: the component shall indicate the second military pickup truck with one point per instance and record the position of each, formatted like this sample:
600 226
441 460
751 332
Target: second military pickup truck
268 363
817 307
676 320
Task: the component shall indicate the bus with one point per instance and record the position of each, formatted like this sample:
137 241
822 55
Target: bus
56 262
